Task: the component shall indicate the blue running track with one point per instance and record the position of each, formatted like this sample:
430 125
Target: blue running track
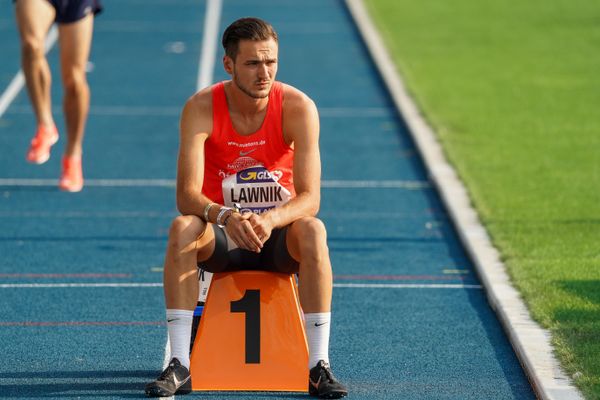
82 310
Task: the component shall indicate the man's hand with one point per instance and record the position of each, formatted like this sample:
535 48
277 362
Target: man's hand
261 224
240 228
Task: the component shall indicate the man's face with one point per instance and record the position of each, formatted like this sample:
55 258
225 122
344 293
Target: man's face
254 68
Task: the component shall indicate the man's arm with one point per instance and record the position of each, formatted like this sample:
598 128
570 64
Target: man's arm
300 127
195 127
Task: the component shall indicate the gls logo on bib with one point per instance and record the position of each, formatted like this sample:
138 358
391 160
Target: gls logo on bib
253 175
256 189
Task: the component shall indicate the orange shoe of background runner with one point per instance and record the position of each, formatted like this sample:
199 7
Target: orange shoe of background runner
39 151
71 178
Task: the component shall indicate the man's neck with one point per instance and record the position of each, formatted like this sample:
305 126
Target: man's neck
240 103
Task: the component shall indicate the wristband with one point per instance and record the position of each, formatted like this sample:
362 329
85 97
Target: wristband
227 219
222 212
206 210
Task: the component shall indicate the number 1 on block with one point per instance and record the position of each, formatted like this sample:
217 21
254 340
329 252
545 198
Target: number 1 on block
250 305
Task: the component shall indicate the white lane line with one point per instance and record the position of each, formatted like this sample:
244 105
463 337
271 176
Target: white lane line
156 284
406 286
93 182
113 110
87 214
124 25
75 285
11 91
208 54
396 184
355 112
135 26
167 111
18 81
170 183
93 214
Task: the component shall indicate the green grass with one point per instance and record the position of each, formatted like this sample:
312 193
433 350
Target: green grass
512 89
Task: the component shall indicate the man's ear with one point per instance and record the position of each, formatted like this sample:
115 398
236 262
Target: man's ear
228 64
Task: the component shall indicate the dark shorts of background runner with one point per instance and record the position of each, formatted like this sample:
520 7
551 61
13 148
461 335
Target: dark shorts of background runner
68 11
273 257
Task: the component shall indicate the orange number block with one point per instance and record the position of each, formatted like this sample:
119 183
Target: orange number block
251 335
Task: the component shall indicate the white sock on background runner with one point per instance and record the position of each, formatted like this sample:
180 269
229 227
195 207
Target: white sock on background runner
179 324
317 327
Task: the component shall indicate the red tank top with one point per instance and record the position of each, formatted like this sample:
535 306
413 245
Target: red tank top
227 152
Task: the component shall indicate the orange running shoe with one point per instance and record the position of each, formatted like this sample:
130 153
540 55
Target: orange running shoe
71 179
39 151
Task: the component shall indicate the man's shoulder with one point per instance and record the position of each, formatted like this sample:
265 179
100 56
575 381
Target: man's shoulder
296 100
200 102
196 115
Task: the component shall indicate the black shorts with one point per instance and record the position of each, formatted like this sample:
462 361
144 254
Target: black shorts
273 257
68 11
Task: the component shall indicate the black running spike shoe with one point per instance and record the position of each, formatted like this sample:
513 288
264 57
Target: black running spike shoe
322 383
175 379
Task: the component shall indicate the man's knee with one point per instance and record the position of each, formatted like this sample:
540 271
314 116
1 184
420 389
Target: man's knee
309 240
184 230
32 48
311 227
74 82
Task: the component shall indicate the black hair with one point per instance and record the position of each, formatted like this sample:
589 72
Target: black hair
248 28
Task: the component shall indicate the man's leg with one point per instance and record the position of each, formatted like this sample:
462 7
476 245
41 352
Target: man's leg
34 18
189 241
75 42
307 243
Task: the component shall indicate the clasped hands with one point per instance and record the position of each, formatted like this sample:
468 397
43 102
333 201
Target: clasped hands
249 230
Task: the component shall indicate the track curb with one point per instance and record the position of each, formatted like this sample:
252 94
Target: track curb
530 342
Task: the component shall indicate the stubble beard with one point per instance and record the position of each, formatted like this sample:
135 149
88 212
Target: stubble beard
253 94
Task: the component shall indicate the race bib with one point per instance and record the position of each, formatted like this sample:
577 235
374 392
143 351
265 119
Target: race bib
255 189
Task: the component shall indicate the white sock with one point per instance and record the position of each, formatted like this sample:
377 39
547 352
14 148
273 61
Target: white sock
179 323
317 327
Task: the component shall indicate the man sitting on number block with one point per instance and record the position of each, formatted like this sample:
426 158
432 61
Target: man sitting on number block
248 189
